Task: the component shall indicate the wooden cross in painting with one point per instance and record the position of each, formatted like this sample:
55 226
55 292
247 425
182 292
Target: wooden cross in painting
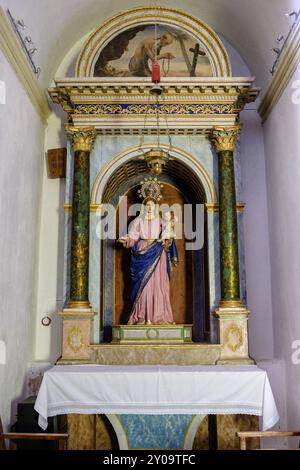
197 52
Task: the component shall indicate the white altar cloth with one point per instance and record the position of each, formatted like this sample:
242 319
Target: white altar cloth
157 389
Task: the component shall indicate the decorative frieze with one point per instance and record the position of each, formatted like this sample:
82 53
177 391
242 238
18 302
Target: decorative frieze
117 106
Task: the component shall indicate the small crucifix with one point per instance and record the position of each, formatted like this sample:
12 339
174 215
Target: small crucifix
197 52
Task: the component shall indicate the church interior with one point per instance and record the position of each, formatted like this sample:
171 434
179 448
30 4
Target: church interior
125 325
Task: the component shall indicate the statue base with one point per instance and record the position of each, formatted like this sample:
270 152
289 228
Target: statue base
151 334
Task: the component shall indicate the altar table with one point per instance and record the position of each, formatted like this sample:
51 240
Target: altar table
156 389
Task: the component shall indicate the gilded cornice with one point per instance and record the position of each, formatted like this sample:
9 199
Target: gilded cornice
85 87
115 106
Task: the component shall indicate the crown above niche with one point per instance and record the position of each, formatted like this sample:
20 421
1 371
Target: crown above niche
187 47
150 188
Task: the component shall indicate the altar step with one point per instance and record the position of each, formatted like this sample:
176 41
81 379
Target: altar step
153 354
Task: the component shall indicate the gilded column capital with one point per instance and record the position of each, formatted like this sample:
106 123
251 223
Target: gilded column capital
224 138
82 138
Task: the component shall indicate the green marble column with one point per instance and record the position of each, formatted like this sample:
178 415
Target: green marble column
82 141
224 140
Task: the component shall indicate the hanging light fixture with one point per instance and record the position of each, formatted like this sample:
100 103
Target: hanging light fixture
156 158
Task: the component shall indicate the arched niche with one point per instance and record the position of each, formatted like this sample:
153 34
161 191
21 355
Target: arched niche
185 181
176 20
180 158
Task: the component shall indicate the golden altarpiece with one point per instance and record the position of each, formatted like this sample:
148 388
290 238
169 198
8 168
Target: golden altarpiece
112 121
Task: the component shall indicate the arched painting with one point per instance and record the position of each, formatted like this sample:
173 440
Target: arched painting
129 54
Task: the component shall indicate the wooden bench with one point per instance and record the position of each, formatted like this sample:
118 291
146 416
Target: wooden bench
62 438
253 434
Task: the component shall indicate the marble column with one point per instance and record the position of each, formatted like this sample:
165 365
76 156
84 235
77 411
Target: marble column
232 314
225 141
77 314
82 142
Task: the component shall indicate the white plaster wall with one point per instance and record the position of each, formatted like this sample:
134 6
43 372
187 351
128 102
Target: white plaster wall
257 257
256 230
51 247
51 254
275 369
21 157
282 147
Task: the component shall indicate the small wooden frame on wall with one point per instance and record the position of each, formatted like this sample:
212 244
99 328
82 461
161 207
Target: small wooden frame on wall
57 159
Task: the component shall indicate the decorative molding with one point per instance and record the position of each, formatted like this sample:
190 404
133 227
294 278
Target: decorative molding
68 208
26 42
94 207
234 337
114 86
151 333
145 109
191 431
13 51
240 207
193 106
120 431
214 207
283 74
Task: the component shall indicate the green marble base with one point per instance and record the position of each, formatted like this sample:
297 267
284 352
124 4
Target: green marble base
151 334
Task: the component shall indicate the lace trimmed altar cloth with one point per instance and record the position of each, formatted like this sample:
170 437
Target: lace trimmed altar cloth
157 389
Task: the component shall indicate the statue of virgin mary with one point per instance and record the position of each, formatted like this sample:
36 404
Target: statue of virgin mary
151 259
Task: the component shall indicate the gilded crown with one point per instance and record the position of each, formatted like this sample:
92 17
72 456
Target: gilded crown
151 187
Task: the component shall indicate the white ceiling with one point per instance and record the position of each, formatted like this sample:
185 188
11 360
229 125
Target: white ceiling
251 26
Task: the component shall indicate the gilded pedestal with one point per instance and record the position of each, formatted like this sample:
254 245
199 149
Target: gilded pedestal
233 330
77 334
